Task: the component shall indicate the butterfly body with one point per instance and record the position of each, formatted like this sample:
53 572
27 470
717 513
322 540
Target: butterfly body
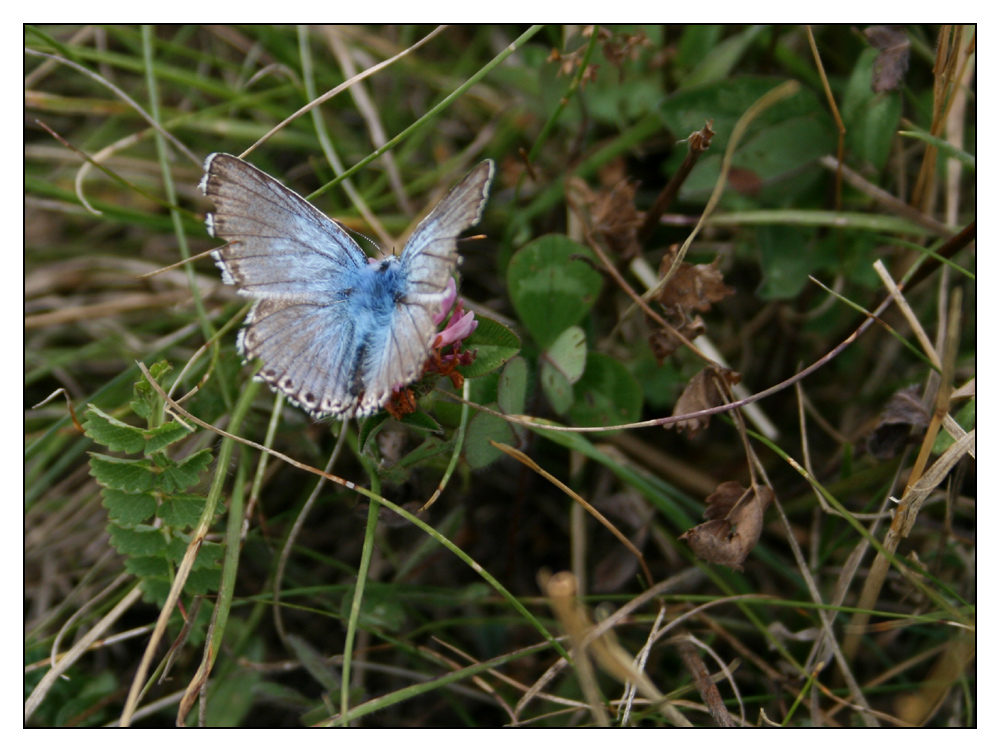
336 332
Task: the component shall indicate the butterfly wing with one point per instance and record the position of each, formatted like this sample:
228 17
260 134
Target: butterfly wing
280 245
301 266
431 253
426 264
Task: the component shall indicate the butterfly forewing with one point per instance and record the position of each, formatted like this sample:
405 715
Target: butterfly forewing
280 245
431 253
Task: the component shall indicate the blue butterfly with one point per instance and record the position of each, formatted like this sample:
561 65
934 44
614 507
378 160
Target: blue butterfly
335 331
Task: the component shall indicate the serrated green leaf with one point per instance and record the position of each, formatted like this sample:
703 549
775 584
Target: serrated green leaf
140 540
181 510
128 509
122 473
208 554
494 344
478 451
551 287
145 399
422 422
147 566
513 387
111 432
155 589
607 395
177 476
161 436
203 581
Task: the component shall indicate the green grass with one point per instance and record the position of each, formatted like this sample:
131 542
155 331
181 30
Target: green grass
333 601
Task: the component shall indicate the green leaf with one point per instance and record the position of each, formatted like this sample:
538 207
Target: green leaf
207 557
513 387
562 366
147 566
421 421
164 435
145 400
787 258
370 427
965 417
141 540
551 287
155 589
495 345
182 510
725 102
128 509
112 433
478 451
122 473
697 42
203 581
430 447
871 119
724 56
176 476
960 155
607 395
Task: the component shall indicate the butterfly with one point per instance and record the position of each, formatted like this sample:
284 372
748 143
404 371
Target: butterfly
336 331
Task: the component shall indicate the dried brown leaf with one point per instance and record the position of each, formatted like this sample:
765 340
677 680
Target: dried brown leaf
701 393
664 342
729 539
693 286
903 412
613 216
893 58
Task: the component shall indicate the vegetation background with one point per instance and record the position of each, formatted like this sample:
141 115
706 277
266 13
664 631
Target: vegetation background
305 602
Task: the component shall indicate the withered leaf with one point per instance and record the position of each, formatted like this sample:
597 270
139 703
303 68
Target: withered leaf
721 502
902 413
692 286
664 342
613 215
893 58
701 393
729 539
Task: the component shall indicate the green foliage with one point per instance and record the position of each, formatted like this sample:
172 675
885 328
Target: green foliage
136 489
552 286
494 344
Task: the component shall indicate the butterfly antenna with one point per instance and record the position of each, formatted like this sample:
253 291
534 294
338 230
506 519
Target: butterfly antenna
357 234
